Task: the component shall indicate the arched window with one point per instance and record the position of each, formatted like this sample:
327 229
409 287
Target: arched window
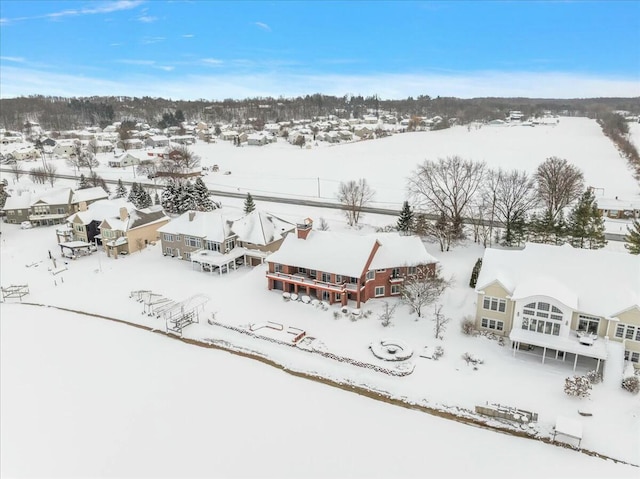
542 318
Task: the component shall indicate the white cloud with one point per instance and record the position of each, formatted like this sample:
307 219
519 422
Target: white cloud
152 40
13 59
95 9
264 26
188 35
147 19
16 81
212 61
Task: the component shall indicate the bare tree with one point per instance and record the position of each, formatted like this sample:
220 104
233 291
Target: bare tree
386 315
446 187
50 171
42 174
515 197
16 170
490 197
440 321
148 168
441 230
185 158
354 195
558 183
423 289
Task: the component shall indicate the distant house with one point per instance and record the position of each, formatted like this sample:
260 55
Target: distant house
17 207
219 241
157 141
337 267
131 144
619 208
124 160
131 231
229 135
64 148
256 139
83 198
332 137
563 302
85 224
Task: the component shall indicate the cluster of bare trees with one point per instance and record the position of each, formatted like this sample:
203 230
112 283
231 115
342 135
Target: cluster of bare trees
450 191
83 157
44 174
354 195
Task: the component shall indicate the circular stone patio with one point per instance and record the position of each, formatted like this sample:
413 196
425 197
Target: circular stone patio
391 350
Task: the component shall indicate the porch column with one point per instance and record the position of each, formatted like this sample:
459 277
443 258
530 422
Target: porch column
598 366
544 353
575 362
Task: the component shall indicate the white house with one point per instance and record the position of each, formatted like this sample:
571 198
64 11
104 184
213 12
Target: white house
562 301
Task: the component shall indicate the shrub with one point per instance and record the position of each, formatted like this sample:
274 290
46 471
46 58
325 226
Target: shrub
578 386
468 326
595 377
438 352
471 359
475 272
336 315
631 384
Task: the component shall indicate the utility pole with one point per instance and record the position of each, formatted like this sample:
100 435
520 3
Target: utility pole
318 187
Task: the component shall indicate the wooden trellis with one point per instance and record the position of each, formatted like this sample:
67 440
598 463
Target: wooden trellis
15 291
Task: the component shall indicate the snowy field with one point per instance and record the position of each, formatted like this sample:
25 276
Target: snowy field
88 397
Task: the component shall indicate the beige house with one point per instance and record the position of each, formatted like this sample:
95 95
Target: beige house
563 303
131 231
218 241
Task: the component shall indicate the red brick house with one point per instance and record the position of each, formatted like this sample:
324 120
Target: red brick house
343 267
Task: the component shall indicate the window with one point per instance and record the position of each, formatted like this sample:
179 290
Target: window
532 313
395 289
411 270
167 237
379 291
211 245
380 270
541 326
60 211
186 255
229 244
494 304
370 275
492 324
168 251
338 278
277 267
627 331
302 270
588 323
395 273
178 237
632 356
544 306
193 242
312 273
326 277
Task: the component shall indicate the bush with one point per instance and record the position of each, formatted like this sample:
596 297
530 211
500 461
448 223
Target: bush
336 315
438 352
468 326
595 377
631 384
475 272
578 386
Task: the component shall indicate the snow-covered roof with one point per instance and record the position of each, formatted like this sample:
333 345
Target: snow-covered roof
59 196
261 228
598 282
18 201
347 254
135 219
102 209
619 204
210 225
89 194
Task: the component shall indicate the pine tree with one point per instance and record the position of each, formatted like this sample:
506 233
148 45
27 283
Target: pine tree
586 226
133 193
405 220
143 199
83 183
632 240
249 205
121 191
169 197
156 198
202 196
185 198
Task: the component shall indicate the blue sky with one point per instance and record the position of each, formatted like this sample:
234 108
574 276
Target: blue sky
216 50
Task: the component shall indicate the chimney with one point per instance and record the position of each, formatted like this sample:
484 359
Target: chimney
124 214
82 206
192 215
304 228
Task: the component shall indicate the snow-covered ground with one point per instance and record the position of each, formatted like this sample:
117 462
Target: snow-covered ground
88 397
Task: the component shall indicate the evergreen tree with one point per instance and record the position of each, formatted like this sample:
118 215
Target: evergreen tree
133 193
202 195
169 197
121 191
83 183
249 205
632 240
143 199
405 220
585 224
185 198
156 198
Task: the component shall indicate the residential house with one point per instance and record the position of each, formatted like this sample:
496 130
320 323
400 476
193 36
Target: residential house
51 207
64 148
617 208
342 267
131 144
123 160
562 301
17 207
219 241
256 139
131 231
26 153
86 196
84 225
157 141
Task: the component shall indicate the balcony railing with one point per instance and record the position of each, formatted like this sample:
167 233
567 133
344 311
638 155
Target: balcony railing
308 281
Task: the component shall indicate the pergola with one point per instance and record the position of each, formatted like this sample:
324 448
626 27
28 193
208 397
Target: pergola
210 260
75 248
